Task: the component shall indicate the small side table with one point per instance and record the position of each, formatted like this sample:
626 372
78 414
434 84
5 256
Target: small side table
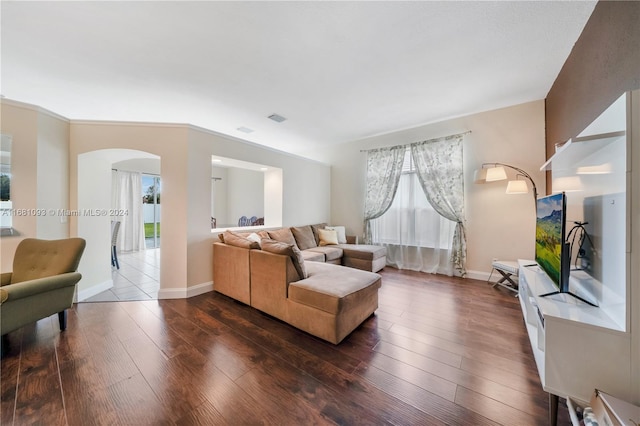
507 269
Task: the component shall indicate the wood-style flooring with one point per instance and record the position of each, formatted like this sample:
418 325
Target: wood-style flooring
438 350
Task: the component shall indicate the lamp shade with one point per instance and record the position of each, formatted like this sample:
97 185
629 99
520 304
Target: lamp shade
496 173
517 187
480 175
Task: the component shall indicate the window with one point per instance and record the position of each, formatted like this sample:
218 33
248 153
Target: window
5 184
411 221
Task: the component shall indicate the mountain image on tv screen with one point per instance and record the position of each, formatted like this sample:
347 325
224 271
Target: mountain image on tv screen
550 235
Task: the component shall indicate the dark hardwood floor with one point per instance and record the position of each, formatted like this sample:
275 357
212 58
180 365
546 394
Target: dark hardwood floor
438 351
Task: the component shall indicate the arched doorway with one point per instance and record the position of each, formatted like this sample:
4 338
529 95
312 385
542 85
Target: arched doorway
109 191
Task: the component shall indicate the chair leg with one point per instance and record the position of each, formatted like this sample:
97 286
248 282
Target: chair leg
114 257
62 319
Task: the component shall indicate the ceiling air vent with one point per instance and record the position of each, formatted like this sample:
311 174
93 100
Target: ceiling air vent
277 118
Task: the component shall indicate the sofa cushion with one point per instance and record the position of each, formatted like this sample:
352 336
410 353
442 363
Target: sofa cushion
327 237
291 250
313 256
304 237
332 288
363 251
342 233
283 235
237 240
329 252
315 228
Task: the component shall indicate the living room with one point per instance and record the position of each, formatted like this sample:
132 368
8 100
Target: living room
324 184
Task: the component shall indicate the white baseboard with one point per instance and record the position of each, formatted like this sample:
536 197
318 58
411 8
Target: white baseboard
185 293
93 290
478 275
484 276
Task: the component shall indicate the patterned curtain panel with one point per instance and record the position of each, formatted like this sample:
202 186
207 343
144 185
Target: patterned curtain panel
439 166
384 167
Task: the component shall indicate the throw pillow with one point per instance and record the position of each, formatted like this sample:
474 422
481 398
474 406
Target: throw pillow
304 237
315 228
327 237
291 250
283 235
342 233
236 240
254 237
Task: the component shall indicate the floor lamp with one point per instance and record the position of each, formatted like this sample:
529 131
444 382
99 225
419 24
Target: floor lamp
493 172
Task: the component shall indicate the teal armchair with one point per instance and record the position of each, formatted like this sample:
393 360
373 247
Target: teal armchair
42 283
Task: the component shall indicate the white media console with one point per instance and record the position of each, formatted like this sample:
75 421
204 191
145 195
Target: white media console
577 347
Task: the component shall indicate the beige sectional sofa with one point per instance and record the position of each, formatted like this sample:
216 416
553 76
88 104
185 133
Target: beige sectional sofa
306 286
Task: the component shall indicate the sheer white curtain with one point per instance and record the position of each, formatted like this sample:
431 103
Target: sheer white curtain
415 235
423 229
126 195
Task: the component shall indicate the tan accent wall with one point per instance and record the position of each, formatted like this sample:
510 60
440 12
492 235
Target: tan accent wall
604 63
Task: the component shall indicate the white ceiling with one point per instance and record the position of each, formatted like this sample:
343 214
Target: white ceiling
338 71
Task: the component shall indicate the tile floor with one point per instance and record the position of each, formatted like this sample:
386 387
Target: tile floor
137 279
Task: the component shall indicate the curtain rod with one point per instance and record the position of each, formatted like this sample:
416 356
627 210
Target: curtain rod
131 171
425 141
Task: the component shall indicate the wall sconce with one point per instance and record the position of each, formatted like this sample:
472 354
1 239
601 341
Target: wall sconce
493 172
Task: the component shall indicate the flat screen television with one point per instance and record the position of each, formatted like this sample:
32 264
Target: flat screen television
552 251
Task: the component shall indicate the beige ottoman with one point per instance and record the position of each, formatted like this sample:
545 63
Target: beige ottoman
365 257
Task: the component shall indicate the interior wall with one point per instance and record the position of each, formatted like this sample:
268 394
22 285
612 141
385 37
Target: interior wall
169 143
498 225
94 194
305 193
245 194
602 66
185 154
53 176
38 135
